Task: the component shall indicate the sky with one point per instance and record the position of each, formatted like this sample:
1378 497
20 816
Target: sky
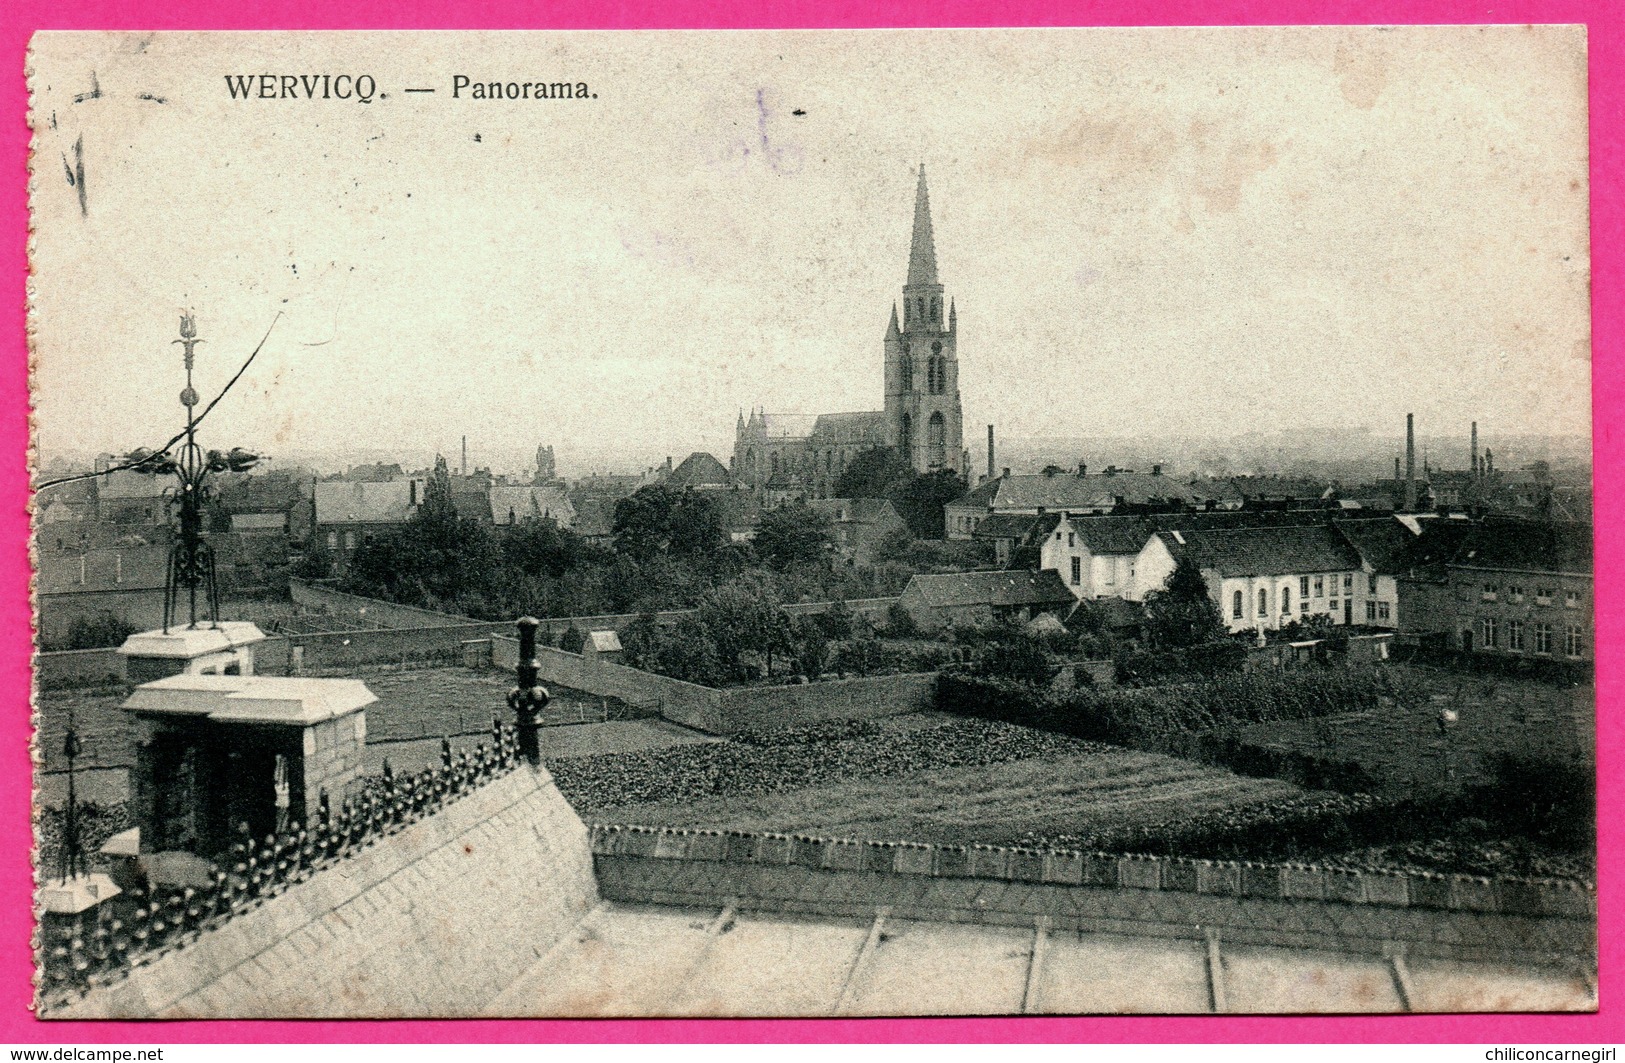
1178 232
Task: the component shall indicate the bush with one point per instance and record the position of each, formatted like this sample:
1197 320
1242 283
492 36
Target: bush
95 632
900 622
1208 660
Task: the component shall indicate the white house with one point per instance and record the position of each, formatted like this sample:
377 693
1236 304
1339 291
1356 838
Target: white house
1097 557
1264 578
1384 548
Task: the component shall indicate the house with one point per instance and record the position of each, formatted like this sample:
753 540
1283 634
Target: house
857 526
1263 578
699 472
1097 556
125 496
1015 536
1085 493
1506 587
349 514
980 598
272 504
1384 546
509 504
126 583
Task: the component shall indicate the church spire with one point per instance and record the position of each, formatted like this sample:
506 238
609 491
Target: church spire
892 329
922 255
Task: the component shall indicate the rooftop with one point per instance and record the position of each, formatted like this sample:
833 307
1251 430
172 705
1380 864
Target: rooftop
1264 551
990 588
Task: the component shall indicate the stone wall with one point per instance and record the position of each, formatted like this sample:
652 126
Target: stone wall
724 711
73 668
434 921
330 650
1294 906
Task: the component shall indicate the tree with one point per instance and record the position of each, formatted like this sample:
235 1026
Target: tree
640 642
539 547
790 534
919 501
689 653
1181 614
658 520
811 647
316 562
872 474
745 616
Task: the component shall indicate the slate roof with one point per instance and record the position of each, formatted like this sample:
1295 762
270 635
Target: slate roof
1064 491
856 510
1013 525
354 502
990 588
595 516
1112 535
1383 544
1540 546
699 469
849 428
1265 551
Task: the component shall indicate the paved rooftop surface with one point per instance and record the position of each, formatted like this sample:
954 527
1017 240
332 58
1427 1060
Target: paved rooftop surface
631 960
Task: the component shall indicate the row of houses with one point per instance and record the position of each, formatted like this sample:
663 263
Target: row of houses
1497 585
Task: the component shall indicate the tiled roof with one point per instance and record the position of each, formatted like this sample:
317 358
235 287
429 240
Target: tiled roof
849 428
347 502
529 502
856 510
991 588
1011 525
1264 551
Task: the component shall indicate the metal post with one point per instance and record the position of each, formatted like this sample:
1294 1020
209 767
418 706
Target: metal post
528 699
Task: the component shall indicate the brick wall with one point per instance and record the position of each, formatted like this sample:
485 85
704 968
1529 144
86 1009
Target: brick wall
1290 905
434 921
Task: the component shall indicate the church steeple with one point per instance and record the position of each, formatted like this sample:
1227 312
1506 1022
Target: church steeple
922 255
892 331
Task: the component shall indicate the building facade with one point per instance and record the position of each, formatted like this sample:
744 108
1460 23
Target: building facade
922 421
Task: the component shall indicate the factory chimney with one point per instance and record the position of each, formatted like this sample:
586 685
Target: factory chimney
990 452
1410 463
1476 469
465 455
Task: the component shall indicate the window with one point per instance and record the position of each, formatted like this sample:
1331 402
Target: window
1371 583
1303 587
1071 539
1286 600
1263 602
1515 636
1574 643
1543 596
1320 586
1348 583
1370 611
1571 600
905 438
1543 638
1490 590
906 374
1382 611
1515 592
349 540
1077 571
1492 632
332 540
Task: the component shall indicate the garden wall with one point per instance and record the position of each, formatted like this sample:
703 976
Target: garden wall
1292 906
730 710
73 668
352 649
316 596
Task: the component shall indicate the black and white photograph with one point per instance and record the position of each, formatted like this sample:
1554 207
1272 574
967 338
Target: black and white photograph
821 523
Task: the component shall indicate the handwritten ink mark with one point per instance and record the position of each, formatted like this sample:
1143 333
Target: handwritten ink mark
76 174
95 92
799 113
150 96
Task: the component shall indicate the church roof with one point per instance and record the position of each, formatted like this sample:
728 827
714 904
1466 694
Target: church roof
922 255
866 427
699 469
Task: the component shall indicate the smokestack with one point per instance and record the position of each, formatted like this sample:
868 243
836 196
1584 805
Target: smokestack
990 452
1007 472
1396 468
1410 463
465 455
1489 462
1475 450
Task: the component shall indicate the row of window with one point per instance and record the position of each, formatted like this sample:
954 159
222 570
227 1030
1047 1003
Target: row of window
1543 595
1318 585
1375 611
1238 602
1490 629
936 372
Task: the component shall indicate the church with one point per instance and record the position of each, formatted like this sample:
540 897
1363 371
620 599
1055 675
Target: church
786 456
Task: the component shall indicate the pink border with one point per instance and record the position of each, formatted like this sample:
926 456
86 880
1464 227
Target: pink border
1607 51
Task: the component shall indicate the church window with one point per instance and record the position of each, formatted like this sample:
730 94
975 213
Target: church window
905 438
936 435
922 309
936 310
1263 602
774 457
1235 606
907 374
936 371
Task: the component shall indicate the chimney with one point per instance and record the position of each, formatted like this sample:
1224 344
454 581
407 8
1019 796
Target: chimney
990 452
1475 450
1396 468
1007 472
1489 462
1410 462
1156 470
1083 469
465 455
668 463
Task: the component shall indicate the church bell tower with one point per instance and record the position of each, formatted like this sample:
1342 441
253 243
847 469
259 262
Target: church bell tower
923 421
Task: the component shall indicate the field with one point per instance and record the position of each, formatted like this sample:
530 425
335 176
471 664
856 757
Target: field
1407 747
918 778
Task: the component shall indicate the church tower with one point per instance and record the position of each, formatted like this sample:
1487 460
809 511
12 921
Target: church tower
923 421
